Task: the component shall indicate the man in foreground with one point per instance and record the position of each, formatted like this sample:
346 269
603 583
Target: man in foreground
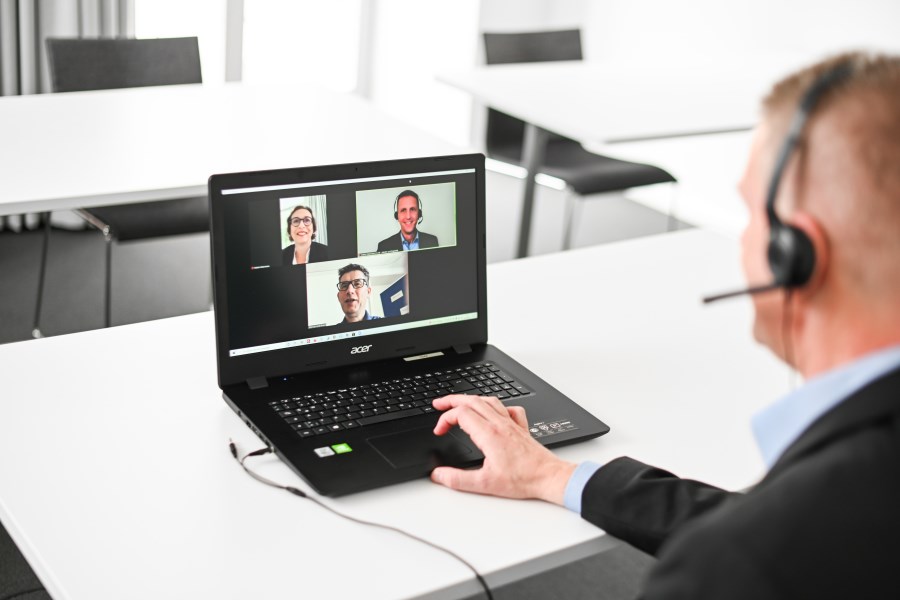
825 520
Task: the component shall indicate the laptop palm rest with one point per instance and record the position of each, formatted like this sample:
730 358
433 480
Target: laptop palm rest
420 446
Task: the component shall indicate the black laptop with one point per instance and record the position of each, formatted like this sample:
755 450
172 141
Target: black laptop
347 298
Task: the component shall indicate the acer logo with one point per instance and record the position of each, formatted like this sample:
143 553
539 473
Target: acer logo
360 349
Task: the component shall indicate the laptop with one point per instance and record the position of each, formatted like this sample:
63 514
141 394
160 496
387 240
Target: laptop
347 298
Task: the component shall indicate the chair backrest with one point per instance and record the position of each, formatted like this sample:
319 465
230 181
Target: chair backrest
506 133
102 64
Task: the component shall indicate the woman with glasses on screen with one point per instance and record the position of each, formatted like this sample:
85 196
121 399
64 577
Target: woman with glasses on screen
301 229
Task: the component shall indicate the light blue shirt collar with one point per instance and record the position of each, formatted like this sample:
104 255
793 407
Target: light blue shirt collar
780 424
413 245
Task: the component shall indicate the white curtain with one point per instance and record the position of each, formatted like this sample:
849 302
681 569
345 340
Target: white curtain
24 25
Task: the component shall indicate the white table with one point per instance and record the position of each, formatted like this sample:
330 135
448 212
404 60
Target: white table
83 149
600 103
116 480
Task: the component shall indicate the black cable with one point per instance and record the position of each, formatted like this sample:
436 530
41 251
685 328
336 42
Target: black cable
302 494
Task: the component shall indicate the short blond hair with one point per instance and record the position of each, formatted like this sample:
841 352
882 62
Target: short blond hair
869 97
854 157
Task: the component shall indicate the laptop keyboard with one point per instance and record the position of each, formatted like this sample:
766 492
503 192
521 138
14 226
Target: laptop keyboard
359 406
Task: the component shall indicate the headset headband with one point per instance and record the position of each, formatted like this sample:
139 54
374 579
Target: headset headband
809 101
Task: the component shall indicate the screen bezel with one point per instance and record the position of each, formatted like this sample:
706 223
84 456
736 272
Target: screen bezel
302 359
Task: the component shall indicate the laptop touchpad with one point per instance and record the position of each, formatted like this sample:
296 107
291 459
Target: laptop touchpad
421 447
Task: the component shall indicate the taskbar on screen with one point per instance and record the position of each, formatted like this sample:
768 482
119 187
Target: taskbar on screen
333 337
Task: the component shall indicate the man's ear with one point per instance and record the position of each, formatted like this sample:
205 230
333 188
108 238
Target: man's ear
821 244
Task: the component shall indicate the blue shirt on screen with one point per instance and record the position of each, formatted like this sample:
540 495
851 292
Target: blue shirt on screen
366 317
413 245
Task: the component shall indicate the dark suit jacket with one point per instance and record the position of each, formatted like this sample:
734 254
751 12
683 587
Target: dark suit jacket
823 523
426 240
317 253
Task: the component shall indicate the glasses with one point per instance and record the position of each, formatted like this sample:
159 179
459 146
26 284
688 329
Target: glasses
297 221
356 283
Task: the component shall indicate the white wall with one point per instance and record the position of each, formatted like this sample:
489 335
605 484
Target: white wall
651 28
414 41
511 15
310 42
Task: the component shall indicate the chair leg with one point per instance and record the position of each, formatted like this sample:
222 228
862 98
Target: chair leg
573 210
42 276
107 304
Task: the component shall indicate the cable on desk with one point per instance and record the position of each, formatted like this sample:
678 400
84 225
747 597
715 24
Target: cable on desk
302 494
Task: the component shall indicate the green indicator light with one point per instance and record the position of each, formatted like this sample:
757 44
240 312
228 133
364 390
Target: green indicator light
342 448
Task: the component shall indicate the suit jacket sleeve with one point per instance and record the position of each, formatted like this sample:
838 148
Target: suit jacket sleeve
643 505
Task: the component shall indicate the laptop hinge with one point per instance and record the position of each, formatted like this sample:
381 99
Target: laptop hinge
462 349
257 383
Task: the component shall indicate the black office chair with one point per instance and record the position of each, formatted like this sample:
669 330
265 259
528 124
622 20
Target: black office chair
583 172
99 64
17 579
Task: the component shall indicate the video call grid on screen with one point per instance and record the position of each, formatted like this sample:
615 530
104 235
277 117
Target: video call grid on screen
274 303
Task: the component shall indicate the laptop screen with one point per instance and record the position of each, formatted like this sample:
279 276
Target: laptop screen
327 264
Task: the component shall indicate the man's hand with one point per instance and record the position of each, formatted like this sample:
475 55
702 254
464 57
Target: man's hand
515 465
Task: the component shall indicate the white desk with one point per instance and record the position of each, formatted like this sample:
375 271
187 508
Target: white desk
116 480
608 102
83 149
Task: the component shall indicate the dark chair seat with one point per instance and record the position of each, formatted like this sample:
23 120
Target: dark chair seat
588 173
162 218
17 580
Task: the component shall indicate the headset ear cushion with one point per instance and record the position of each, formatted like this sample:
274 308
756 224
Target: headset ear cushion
792 256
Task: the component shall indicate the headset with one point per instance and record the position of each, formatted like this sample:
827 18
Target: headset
403 194
790 253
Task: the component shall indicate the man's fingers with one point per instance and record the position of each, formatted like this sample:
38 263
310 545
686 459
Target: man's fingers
487 406
448 402
455 400
458 479
518 415
451 405
446 421
465 416
494 403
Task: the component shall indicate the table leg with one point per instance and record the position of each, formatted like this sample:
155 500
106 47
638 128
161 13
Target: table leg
42 275
533 150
